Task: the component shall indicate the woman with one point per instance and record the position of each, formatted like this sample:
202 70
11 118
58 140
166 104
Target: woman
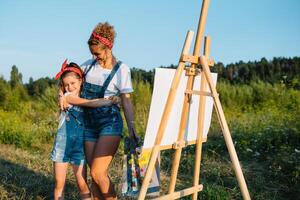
105 76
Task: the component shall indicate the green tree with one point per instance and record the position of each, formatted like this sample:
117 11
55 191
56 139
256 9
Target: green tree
3 91
15 77
39 86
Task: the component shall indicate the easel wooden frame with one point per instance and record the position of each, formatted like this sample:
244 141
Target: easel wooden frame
206 80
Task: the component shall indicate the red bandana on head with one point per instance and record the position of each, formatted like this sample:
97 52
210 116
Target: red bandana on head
65 68
103 40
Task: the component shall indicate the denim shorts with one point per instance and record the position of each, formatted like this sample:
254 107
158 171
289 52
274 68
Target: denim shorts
68 145
102 121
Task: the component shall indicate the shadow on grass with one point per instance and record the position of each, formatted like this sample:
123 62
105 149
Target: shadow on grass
19 182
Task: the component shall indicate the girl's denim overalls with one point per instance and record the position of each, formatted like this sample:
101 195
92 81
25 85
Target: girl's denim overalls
105 120
68 145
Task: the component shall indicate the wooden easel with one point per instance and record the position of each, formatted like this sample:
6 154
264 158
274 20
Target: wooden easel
206 80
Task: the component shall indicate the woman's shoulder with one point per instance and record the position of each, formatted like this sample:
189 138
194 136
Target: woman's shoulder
86 63
123 66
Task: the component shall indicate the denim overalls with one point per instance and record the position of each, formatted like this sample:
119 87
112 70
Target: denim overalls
105 120
68 145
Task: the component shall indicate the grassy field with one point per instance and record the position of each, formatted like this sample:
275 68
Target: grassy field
28 175
264 121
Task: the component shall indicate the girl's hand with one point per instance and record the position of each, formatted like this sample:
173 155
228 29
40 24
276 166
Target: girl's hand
63 104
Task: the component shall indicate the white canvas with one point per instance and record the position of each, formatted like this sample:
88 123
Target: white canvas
162 84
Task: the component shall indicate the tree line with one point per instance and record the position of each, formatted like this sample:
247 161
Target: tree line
278 70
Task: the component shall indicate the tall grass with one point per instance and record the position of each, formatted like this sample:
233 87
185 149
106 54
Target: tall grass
264 120
141 100
30 124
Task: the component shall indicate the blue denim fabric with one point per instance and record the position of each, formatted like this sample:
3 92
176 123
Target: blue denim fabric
68 145
91 91
101 121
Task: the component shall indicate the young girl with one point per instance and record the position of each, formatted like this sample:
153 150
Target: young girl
68 145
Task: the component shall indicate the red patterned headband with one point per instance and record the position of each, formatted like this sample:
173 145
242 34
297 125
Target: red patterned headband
103 40
65 68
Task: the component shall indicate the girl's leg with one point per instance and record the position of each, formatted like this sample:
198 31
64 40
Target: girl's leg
104 152
60 172
89 152
80 174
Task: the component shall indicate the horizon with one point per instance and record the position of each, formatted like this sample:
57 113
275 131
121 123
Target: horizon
37 36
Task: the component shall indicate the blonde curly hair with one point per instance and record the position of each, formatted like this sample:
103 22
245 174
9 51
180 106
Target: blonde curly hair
104 30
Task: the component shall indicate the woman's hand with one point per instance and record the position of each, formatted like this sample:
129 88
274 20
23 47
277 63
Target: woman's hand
132 133
115 100
134 136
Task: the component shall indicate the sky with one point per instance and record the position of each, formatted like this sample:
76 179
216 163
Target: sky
37 36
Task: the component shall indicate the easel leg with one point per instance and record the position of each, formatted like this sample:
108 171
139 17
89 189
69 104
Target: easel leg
198 152
201 118
182 128
225 130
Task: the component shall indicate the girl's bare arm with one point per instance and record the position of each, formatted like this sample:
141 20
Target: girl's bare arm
93 103
63 104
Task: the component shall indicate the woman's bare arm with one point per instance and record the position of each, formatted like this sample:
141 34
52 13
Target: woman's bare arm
129 115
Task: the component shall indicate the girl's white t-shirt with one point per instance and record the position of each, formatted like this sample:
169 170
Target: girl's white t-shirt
121 82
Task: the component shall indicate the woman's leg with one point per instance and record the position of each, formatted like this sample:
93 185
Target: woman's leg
80 174
60 172
89 152
104 152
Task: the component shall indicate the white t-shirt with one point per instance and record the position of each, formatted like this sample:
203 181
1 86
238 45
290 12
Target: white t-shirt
121 82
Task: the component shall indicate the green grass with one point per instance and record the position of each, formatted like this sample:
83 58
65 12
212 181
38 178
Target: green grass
264 121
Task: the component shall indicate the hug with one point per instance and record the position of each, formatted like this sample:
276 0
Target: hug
91 126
